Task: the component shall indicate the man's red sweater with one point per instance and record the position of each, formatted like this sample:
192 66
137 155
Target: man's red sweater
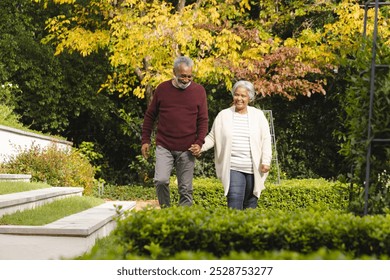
182 116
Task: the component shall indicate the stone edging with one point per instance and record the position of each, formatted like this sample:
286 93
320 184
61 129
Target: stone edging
15 177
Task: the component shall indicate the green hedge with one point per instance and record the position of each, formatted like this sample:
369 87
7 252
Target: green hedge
297 219
289 195
317 194
107 249
163 234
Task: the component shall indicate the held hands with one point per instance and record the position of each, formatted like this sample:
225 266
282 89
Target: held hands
145 150
195 150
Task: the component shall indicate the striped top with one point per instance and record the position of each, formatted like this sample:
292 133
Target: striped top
241 159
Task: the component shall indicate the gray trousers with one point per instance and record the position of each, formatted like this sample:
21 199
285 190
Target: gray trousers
184 162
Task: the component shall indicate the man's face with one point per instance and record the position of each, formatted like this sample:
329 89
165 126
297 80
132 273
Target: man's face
183 76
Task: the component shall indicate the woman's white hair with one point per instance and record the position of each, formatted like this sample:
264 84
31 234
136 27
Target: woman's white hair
248 86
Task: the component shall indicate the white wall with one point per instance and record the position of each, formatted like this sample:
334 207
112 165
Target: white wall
12 141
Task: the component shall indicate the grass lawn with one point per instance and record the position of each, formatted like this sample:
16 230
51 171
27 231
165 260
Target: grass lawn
13 187
51 212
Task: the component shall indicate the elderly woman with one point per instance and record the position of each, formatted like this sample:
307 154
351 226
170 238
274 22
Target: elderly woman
241 139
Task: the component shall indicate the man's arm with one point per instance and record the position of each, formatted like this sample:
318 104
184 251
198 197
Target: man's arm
147 126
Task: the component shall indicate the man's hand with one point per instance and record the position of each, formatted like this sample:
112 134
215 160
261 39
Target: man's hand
264 168
195 150
145 150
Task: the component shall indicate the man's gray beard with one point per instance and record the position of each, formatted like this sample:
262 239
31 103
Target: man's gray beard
180 85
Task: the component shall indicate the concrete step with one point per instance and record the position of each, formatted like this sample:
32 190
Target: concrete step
10 203
7 177
63 239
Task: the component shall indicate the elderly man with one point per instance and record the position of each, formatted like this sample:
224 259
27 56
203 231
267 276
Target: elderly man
180 105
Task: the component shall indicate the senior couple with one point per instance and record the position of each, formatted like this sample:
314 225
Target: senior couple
240 136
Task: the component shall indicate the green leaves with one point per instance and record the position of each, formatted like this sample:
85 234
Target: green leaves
143 38
163 234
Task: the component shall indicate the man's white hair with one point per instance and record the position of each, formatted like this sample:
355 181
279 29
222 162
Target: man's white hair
182 60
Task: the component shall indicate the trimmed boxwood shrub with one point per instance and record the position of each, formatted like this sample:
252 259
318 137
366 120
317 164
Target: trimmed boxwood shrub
163 234
297 219
106 249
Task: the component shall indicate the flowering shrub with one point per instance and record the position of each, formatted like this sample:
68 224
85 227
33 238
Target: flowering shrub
54 166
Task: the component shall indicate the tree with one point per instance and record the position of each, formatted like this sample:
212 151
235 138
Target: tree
140 39
58 94
292 49
352 46
143 37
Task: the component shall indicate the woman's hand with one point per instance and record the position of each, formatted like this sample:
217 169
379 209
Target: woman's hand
264 168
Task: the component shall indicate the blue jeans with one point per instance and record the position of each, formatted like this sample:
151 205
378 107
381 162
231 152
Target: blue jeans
240 195
184 162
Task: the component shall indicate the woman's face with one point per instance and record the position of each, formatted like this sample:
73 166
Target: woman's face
241 99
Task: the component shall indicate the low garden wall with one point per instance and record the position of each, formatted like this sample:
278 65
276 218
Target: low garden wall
13 141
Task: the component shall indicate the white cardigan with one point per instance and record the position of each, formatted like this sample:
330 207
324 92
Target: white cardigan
220 137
